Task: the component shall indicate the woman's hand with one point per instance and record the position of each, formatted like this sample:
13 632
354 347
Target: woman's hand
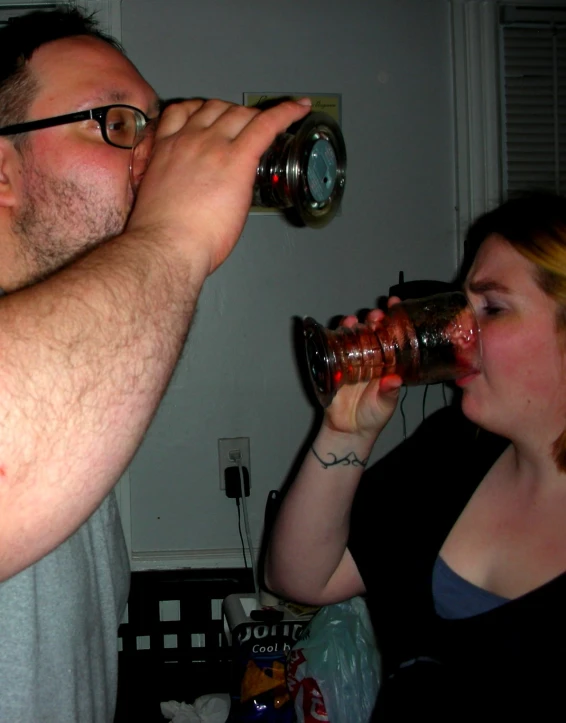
365 408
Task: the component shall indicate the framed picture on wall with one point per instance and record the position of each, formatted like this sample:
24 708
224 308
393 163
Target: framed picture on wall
330 103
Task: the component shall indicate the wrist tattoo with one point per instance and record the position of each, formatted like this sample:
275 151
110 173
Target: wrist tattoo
349 459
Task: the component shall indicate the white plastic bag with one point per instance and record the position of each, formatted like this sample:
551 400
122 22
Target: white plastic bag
333 671
206 709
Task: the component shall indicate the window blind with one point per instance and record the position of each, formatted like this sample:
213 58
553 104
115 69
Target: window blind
534 99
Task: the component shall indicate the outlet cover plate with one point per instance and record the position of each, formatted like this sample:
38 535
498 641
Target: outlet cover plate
225 446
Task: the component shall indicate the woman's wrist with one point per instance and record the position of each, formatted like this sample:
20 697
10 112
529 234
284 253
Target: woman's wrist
362 436
333 446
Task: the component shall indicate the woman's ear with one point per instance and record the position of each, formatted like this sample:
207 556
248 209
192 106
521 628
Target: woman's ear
10 173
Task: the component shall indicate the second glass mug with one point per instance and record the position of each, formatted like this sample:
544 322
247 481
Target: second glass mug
424 341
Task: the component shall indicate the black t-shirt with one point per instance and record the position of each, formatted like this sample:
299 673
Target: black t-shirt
508 661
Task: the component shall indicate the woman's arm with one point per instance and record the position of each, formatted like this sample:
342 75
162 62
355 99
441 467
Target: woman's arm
307 557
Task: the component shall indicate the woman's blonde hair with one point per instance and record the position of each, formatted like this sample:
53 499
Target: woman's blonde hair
535 225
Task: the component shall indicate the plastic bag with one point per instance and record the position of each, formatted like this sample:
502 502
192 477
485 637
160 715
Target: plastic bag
333 671
206 709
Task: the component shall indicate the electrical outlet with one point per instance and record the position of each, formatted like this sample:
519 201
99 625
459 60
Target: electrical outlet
225 446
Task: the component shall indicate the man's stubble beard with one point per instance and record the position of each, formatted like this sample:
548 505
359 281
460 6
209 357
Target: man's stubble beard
60 220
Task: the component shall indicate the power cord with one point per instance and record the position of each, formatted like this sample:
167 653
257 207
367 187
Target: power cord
403 412
424 401
401 409
236 457
240 531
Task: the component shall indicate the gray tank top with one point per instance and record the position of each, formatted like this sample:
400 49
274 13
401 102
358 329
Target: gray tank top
58 628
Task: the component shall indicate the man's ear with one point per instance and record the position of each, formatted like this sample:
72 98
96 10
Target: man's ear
10 173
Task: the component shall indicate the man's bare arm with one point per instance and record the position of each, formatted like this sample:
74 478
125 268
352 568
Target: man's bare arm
86 355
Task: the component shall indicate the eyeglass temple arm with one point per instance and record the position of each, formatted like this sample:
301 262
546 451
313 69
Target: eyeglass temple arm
48 122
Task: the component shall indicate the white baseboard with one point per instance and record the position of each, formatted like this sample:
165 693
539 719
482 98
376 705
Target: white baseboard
179 559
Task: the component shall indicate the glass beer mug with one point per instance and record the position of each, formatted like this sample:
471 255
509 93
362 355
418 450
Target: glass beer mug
424 341
304 169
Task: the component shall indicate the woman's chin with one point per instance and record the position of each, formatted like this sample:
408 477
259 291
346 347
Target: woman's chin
470 409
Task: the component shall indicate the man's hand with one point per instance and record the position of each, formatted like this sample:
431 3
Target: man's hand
197 189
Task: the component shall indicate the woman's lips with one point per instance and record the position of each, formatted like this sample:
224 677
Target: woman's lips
465 380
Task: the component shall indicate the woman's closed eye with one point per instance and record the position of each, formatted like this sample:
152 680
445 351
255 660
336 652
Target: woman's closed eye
492 309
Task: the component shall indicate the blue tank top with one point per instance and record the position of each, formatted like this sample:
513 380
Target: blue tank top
454 597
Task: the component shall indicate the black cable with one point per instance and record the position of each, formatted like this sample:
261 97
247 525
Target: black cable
240 531
444 394
424 399
403 413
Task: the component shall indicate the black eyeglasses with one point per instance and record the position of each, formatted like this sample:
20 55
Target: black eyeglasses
121 125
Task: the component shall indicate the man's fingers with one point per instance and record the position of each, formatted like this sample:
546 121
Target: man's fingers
176 115
266 125
251 127
229 118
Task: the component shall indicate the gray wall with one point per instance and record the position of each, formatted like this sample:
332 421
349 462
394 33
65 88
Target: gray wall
390 60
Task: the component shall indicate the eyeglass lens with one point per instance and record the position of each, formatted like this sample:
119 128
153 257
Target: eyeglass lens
122 125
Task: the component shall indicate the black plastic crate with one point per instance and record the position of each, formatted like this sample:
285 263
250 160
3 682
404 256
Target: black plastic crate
173 645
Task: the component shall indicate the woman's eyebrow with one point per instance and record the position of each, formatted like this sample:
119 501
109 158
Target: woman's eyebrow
481 286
